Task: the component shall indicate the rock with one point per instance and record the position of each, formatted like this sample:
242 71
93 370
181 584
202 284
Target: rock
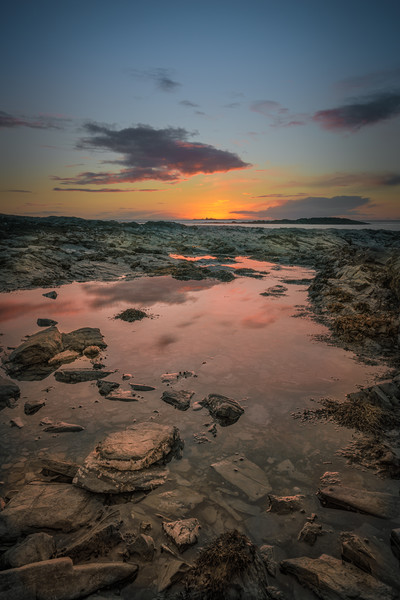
46 322
268 554
62 427
58 506
97 541
141 387
127 376
17 422
79 339
331 579
9 391
34 354
122 396
377 504
66 356
196 406
61 467
31 407
131 314
395 542
105 387
130 460
173 377
245 475
284 505
225 411
170 573
80 375
179 399
143 545
309 533
183 533
35 548
276 291
230 567
91 351
53 295
329 478
58 579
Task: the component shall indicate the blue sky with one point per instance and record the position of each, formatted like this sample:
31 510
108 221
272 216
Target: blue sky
187 109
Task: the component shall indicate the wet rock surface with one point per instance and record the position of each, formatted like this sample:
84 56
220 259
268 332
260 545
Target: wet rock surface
9 391
183 533
80 375
225 411
178 399
130 460
378 504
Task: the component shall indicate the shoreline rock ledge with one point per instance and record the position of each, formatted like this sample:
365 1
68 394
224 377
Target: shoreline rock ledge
130 460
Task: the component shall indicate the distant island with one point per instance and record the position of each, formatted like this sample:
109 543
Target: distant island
309 221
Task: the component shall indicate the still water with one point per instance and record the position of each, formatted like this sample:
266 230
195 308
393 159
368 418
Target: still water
239 343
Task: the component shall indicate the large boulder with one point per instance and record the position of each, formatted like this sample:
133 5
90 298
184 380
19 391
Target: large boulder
34 548
79 339
130 460
59 579
34 354
9 391
51 506
331 579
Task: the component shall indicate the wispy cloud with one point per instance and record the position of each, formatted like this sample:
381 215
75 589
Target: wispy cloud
151 154
162 78
361 180
188 103
312 206
386 78
277 114
8 121
12 191
104 190
359 113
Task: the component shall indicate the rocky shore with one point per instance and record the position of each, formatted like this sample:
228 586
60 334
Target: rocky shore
74 529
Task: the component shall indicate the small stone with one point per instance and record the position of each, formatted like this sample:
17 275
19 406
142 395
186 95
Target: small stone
16 422
53 295
46 322
183 533
91 351
30 408
309 533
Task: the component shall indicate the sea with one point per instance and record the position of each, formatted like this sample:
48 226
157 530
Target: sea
393 225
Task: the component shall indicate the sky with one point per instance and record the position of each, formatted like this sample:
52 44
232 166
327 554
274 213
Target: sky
154 110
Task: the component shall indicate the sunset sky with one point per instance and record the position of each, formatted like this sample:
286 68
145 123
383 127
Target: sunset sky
182 109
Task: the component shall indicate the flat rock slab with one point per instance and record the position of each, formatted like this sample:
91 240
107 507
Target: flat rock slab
9 391
331 579
130 460
59 579
224 410
97 541
80 375
105 387
245 475
56 465
173 377
34 548
62 427
122 396
183 533
142 387
178 399
48 506
376 504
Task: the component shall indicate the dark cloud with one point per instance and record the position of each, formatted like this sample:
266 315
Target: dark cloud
280 196
340 179
103 190
337 206
278 114
151 154
367 111
161 77
377 79
41 122
188 103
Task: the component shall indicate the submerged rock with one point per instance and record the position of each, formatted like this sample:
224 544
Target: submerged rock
183 533
225 411
378 504
245 475
9 391
62 427
310 533
98 540
330 578
142 545
230 567
179 399
58 506
59 579
131 314
130 460
80 375
284 505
